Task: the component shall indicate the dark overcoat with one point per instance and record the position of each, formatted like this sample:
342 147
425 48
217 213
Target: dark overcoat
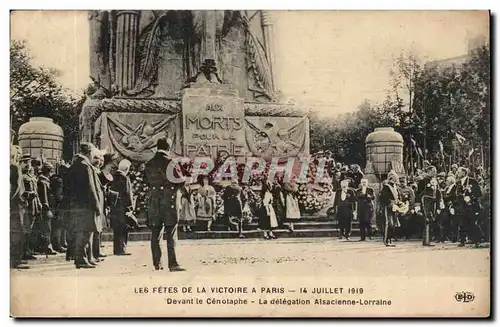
162 190
365 204
84 202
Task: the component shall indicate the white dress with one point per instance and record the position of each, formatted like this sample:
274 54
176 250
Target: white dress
267 202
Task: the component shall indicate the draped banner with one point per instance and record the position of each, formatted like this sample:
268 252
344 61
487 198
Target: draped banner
134 135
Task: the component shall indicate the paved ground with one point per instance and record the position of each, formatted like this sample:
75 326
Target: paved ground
285 257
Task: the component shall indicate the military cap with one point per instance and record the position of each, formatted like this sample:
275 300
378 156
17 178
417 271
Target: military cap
441 174
25 157
328 152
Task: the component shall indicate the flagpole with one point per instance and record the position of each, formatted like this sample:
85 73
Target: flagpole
482 155
411 159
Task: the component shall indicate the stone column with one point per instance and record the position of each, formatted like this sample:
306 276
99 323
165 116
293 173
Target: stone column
267 28
126 43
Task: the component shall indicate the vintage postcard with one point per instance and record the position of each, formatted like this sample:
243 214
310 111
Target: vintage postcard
250 163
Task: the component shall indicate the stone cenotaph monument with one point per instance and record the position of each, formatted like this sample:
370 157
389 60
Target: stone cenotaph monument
205 79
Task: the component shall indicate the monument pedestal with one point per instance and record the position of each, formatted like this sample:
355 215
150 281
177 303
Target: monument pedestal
213 120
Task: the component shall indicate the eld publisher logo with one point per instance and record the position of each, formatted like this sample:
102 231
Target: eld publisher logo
464 297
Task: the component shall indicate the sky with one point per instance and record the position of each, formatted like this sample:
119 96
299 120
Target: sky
330 60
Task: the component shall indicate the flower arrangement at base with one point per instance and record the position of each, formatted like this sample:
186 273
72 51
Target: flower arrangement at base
140 191
312 199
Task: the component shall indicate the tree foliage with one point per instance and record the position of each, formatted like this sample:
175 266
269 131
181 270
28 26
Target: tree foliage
428 103
34 91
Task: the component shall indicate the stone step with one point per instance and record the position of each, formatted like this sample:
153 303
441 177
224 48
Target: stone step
255 225
252 233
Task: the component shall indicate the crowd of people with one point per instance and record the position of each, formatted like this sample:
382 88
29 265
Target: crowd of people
64 208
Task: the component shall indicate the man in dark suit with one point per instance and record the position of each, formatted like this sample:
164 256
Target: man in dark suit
85 209
122 206
468 207
164 177
389 198
365 196
344 205
430 199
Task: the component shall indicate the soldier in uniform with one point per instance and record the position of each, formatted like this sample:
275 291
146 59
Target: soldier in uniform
16 215
430 199
389 198
164 178
32 206
344 205
46 215
365 196
468 207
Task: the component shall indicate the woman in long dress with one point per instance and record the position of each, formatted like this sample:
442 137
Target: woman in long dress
206 201
186 205
292 210
267 216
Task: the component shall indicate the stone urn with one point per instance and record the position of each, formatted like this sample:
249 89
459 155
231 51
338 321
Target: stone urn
384 152
41 137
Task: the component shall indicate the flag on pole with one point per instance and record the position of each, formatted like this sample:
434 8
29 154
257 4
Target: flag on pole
413 141
441 148
470 153
460 138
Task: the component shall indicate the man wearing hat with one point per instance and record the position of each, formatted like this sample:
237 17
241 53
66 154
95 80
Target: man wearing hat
44 223
84 202
389 201
164 178
430 198
454 170
345 206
